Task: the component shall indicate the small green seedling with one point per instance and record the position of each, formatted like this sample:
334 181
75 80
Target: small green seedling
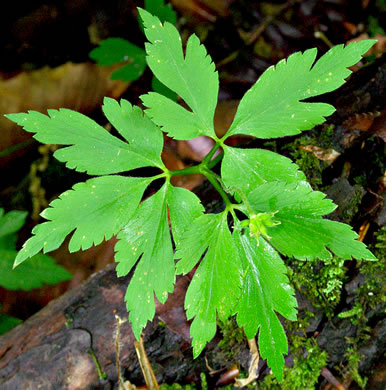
112 51
241 272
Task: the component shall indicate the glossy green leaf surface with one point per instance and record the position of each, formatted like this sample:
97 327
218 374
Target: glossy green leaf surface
146 237
216 284
302 232
265 291
184 208
247 168
92 148
145 139
96 210
192 77
274 106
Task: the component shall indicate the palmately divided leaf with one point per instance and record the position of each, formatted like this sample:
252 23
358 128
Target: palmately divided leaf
265 291
216 284
146 236
302 232
93 149
193 77
145 138
96 210
247 168
273 107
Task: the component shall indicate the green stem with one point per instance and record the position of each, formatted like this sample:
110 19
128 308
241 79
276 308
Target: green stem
215 161
186 171
102 375
212 179
161 175
208 157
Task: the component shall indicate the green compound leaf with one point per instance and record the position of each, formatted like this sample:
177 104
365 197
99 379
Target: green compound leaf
117 50
302 232
247 168
39 270
145 139
192 77
146 237
216 285
265 290
92 148
273 107
97 209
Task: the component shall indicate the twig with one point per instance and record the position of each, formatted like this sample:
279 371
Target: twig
147 371
123 385
326 373
252 371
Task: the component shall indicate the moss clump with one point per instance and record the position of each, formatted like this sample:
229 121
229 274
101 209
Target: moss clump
308 361
308 163
321 283
233 337
369 300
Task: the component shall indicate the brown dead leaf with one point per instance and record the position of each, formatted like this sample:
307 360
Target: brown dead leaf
361 122
223 116
173 162
80 87
327 155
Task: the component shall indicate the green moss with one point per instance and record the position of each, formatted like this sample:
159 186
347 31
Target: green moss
203 386
309 360
321 283
233 338
308 163
369 296
176 386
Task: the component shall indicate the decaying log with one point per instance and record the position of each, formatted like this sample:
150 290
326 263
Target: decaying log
51 350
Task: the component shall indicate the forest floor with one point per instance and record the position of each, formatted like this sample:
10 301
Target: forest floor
339 338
